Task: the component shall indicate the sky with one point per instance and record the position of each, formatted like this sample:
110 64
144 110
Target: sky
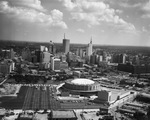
108 22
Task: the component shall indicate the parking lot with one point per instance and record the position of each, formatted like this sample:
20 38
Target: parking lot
40 98
43 97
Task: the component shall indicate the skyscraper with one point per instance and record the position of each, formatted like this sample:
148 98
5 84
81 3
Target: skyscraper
55 64
42 48
52 48
66 45
79 52
89 49
38 54
46 57
11 55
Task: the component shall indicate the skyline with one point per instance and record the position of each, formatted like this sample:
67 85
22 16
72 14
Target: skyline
116 22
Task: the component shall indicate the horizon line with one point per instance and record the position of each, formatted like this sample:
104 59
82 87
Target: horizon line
73 43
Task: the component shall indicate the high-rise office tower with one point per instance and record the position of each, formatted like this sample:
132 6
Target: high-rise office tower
5 53
66 45
89 49
42 48
55 64
52 48
100 58
79 52
63 58
124 58
93 59
46 57
11 55
38 54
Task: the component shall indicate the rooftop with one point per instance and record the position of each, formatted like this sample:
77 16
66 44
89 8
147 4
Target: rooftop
90 116
116 93
26 116
81 81
63 114
41 116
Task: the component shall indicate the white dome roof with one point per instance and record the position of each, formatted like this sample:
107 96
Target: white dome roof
81 81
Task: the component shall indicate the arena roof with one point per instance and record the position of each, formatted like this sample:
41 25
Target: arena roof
81 81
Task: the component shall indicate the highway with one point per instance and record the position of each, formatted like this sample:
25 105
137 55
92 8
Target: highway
3 81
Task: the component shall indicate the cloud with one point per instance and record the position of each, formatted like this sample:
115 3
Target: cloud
146 6
80 30
126 5
55 18
36 4
119 11
146 9
102 31
146 15
130 28
94 12
144 29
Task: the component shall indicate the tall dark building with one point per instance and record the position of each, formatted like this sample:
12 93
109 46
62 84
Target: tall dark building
5 53
38 54
11 55
66 45
52 48
119 58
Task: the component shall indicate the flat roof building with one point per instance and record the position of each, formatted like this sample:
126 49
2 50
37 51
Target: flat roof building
25 116
63 115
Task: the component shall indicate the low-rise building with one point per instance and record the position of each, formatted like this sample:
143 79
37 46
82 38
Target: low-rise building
25 116
6 68
62 115
77 73
104 95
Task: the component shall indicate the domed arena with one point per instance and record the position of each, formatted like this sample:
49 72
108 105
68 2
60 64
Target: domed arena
82 85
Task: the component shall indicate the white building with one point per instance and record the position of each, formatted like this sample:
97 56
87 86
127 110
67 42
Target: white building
89 50
46 57
55 63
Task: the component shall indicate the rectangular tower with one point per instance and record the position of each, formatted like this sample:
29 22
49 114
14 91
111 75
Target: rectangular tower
66 45
55 63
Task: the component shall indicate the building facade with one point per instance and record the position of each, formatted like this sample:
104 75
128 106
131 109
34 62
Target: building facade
66 45
89 49
46 57
55 64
